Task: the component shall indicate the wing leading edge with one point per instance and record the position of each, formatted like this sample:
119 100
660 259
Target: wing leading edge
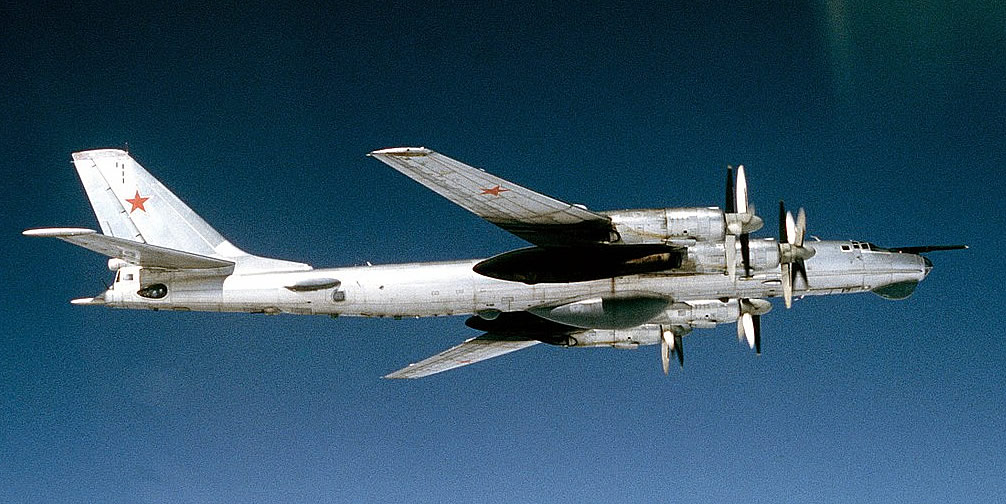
537 218
140 254
484 347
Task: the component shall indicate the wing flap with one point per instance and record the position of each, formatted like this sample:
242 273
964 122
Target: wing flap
141 254
484 347
537 218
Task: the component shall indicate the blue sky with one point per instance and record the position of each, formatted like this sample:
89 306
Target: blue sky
885 121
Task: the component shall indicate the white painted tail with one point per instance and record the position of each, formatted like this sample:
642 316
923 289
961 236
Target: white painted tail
131 204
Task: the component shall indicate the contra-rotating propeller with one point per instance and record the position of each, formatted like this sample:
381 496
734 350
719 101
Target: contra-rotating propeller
740 219
792 251
749 321
670 342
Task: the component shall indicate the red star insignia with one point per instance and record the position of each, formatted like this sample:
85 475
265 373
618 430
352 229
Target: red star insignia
137 202
495 191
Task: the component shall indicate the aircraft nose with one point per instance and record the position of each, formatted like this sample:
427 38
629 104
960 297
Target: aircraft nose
928 264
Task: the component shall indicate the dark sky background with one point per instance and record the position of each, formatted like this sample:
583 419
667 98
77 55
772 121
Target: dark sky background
885 120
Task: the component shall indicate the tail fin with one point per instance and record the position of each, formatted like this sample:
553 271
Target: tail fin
131 204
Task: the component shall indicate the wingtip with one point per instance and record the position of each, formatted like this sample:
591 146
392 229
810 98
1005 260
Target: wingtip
401 152
57 232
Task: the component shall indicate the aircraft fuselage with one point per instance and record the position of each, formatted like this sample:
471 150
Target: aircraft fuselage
453 288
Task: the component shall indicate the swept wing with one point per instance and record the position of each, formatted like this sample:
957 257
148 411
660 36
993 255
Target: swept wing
484 347
537 218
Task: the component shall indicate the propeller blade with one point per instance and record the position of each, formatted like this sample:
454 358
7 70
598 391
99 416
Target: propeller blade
801 227
669 341
756 322
665 358
783 238
747 321
680 350
742 191
731 253
729 207
740 324
787 284
790 229
746 254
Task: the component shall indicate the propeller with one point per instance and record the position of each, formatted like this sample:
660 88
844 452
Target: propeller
739 216
749 321
749 329
792 251
670 342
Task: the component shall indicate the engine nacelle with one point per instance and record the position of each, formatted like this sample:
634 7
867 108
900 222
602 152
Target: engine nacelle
648 334
704 314
660 225
616 312
711 258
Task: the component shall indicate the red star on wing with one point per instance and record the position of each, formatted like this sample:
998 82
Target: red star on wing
137 202
495 191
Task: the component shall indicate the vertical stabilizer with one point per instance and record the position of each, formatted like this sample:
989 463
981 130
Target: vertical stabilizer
130 203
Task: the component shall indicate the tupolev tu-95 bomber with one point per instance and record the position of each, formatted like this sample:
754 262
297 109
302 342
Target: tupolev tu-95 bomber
622 278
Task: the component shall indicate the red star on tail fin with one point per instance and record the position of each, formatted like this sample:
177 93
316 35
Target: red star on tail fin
137 202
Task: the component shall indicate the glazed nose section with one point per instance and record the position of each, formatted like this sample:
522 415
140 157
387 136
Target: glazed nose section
928 266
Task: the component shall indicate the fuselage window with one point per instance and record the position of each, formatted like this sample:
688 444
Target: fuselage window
338 296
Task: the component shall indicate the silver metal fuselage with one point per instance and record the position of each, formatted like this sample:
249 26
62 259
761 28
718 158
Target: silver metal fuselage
453 288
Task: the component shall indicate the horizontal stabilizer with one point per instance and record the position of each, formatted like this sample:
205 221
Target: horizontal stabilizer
140 254
484 347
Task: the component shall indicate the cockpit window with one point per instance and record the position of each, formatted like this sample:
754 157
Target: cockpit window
846 247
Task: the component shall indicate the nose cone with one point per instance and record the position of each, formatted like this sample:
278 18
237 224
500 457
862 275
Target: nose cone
928 265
